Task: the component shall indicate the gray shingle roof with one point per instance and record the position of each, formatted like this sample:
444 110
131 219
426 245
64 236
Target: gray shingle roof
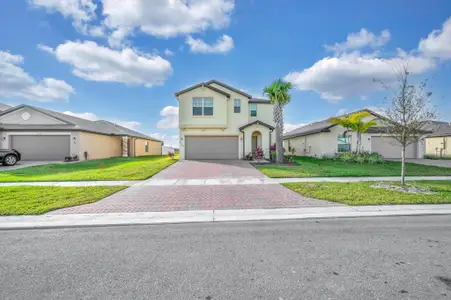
74 123
442 129
324 126
260 100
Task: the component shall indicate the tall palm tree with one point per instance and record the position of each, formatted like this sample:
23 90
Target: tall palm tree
355 123
278 93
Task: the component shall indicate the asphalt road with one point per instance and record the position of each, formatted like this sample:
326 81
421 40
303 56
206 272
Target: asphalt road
362 258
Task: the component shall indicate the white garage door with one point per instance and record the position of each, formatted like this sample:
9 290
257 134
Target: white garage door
42 147
211 147
390 148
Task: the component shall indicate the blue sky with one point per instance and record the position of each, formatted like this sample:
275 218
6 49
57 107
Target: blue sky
122 60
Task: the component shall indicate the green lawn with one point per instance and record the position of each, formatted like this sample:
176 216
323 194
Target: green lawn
35 200
361 193
313 167
120 168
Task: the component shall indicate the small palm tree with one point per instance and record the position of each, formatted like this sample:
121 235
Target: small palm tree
278 94
355 123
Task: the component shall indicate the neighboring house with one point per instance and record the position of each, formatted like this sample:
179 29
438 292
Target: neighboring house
324 138
217 121
439 143
42 134
167 149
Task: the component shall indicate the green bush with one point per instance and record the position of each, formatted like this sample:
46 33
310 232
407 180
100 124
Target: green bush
354 158
431 156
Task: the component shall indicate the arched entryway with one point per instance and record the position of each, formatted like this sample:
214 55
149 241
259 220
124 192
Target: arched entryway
256 140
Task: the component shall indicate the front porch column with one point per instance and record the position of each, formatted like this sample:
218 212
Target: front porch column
124 146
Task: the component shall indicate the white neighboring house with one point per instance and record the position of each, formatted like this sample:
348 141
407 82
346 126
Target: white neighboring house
167 149
217 121
324 138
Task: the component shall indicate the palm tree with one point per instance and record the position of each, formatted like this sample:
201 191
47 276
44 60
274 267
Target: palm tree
355 123
278 94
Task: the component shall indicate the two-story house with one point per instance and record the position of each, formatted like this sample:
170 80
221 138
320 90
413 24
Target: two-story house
217 121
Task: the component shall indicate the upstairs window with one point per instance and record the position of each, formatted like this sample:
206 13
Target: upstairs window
253 109
237 106
344 144
202 106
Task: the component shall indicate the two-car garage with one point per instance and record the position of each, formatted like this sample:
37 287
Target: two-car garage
41 147
211 147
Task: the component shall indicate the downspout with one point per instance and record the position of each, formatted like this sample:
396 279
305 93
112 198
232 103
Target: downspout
243 143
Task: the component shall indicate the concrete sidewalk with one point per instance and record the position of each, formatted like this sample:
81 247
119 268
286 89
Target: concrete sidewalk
149 218
220 181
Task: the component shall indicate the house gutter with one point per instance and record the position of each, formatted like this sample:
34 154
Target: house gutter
244 143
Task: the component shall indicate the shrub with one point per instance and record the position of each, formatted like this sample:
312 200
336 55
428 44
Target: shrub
288 157
361 158
431 156
171 155
259 153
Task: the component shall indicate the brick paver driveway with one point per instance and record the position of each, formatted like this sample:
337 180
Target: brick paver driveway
207 197
147 198
193 169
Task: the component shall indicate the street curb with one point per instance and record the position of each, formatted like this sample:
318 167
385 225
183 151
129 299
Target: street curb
213 216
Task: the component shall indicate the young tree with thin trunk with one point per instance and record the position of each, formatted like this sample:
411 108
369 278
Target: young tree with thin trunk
408 114
278 93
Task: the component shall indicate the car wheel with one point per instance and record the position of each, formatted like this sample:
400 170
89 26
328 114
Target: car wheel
10 160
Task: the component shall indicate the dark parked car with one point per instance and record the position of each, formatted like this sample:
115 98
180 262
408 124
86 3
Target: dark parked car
9 157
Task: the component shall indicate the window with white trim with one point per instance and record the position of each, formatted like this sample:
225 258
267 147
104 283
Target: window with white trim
253 109
202 106
344 144
237 106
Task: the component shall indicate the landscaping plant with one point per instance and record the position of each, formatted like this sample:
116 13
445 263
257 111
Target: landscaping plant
408 114
278 94
355 123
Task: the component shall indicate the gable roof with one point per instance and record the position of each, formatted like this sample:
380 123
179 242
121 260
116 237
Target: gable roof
73 123
228 87
324 126
202 84
257 122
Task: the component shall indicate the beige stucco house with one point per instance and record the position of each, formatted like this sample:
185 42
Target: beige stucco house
217 121
438 144
324 138
42 134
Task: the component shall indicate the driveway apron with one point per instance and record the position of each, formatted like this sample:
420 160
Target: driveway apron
146 198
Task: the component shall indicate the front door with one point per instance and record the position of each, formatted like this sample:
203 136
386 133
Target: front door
254 143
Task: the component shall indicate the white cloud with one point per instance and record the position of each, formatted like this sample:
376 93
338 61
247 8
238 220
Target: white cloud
82 12
168 52
348 75
93 117
168 139
170 116
361 39
97 63
438 42
223 45
84 115
128 124
15 82
287 127
117 37
168 18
